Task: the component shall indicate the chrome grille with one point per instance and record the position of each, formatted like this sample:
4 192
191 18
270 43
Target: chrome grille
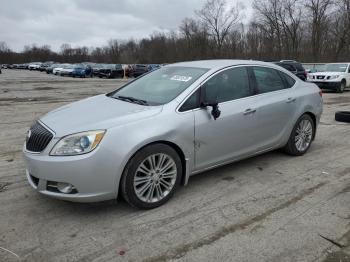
38 138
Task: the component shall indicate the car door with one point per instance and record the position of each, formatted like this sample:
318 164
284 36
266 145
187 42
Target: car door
275 104
232 134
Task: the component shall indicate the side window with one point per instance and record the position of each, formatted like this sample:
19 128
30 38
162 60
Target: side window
267 80
228 85
289 80
349 69
191 103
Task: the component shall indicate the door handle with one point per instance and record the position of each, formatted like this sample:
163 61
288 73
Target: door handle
291 100
249 111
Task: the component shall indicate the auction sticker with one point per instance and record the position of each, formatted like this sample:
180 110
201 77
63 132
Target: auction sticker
181 78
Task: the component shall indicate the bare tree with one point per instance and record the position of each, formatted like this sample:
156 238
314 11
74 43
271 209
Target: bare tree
319 14
341 29
291 20
219 18
269 22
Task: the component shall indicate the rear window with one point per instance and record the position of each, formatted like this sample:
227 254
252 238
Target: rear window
268 80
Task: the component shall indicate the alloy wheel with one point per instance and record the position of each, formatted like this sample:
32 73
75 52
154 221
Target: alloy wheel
303 135
155 177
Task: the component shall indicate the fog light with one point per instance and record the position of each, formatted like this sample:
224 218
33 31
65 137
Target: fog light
65 188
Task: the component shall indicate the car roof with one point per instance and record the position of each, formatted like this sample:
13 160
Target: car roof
220 63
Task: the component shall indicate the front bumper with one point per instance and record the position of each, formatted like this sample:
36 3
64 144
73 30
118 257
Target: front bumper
327 85
93 175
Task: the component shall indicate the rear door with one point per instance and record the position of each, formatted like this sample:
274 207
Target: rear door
275 105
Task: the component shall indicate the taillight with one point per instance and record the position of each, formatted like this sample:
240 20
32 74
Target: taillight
320 93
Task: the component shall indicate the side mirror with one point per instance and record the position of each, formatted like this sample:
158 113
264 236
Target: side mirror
215 112
205 101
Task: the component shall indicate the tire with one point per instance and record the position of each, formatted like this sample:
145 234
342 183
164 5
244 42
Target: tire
341 87
296 148
137 194
342 116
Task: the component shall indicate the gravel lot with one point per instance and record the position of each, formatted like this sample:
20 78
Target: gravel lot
269 208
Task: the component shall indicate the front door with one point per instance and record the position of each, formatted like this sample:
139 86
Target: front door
233 133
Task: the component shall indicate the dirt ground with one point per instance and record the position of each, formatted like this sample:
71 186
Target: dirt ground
268 208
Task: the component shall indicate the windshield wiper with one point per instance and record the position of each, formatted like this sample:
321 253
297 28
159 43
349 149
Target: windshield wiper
133 100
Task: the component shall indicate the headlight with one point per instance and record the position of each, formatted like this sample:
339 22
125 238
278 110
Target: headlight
78 144
333 77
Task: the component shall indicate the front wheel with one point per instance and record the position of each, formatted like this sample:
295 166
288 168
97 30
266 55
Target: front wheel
301 137
341 87
151 176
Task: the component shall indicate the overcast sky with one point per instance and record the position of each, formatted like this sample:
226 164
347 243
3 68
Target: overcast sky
88 22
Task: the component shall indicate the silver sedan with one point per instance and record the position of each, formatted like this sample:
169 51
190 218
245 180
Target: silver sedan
145 139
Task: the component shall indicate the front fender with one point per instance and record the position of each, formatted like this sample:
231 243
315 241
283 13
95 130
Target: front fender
123 142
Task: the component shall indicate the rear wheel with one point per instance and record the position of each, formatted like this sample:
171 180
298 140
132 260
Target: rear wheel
301 137
151 176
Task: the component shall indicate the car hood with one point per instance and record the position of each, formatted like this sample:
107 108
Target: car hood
94 113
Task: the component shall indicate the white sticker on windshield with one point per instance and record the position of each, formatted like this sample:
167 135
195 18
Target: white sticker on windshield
181 78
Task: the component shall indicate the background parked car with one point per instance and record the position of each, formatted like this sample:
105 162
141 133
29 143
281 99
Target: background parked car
57 70
45 65
138 70
335 76
111 71
34 66
295 67
153 67
67 70
22 66
50 68
81 70
96 69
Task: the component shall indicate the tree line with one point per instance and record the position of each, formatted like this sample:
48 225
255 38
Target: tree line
304 30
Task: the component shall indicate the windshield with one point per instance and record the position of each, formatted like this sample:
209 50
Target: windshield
336 67
161 86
